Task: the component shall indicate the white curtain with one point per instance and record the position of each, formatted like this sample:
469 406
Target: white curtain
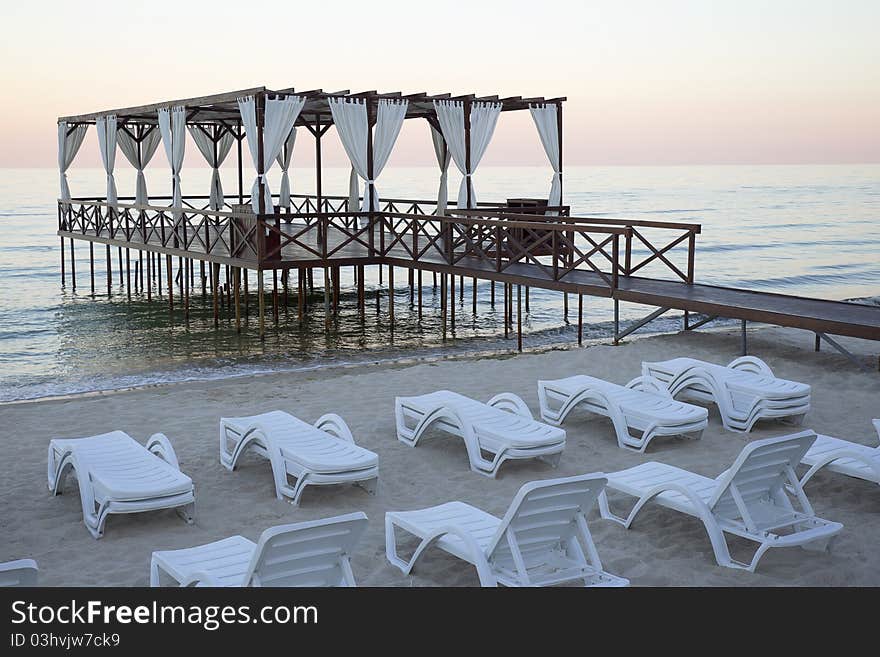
350 119
545 118
205 143
106 126
139 160
68 146
389 119
483 118
280 115
172 125
283 160
443 159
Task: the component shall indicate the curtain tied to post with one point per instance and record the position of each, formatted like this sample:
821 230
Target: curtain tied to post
214 147
172 125
106 127
278 119
283 159
139 159
69 141
483 118
350 119
545 117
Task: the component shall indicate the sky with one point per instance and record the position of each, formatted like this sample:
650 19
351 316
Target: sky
647 82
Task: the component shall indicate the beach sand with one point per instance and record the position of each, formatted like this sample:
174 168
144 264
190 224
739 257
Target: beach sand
663 547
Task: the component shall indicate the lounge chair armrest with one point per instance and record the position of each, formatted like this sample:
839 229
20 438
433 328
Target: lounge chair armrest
159 445
751 364
336 426
649 384
507 401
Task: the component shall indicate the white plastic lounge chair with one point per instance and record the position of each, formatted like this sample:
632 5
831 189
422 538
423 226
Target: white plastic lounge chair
503 427
745 391
642 404
314 553
314 455
845 457
22 572
748 500
116 474
540 541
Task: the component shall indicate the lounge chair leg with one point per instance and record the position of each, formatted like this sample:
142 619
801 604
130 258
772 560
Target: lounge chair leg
551 459
369 485
187 512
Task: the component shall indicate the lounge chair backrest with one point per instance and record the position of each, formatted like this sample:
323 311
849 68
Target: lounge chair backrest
311 553
760 471
18 573
542 517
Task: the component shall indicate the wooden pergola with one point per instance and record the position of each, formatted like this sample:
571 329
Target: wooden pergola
219 114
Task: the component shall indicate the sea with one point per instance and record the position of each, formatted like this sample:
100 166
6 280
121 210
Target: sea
804 230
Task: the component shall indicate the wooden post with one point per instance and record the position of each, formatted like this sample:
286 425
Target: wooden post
519 317
528 294
412 286
170 281
140 271
128 273
443 303
149 276
215 290
119 252
72 266
580 320
565 306
109 272
452 302
261 304
616 321
361 300
237 300
300 294
474 294
184 273
275 296
326 298
391 295
158 271
420 293
62 263
467 151
492 295
202 273
461 289
92 266
505 311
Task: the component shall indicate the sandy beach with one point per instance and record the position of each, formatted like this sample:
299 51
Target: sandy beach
663 548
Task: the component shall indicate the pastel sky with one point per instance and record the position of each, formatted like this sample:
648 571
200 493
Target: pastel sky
648 82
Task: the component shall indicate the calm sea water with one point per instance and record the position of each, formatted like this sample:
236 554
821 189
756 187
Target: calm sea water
807 230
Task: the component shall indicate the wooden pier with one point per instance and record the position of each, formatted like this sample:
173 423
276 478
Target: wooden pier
519 244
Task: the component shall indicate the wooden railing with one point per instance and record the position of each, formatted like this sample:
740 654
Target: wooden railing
487 239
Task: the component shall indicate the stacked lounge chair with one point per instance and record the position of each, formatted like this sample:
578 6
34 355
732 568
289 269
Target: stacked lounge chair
844 457
314 553
642 404
503 427
749 500
542 539
116 474
319 454
745 390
